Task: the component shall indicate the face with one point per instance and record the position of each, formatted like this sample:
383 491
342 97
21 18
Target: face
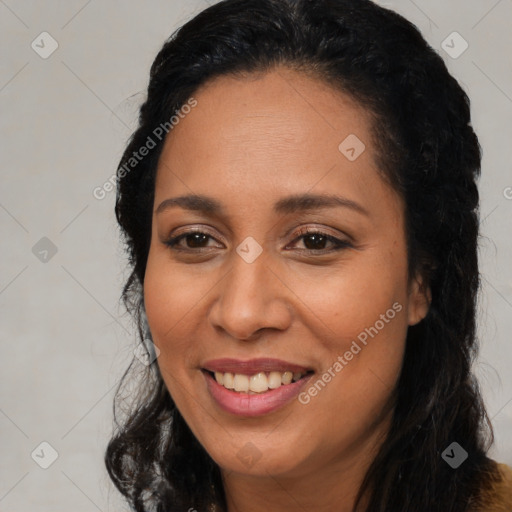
289 263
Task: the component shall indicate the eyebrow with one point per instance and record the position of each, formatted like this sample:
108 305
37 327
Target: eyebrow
286 205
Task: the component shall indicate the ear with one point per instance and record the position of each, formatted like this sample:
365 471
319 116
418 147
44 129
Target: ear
420 298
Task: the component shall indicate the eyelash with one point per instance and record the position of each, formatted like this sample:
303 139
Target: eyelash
303 233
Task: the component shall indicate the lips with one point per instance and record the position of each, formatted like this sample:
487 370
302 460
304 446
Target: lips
254 387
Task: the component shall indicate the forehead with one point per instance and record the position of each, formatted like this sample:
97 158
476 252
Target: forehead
269 133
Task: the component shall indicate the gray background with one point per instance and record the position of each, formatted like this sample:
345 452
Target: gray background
64 123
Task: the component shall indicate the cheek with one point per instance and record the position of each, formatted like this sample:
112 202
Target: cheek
171 297
169 306
353 297
359 317
169 310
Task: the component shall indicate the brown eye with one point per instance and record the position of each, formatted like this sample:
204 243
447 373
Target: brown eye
316 241
192 239
196 239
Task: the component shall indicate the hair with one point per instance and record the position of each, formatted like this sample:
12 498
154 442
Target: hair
428 152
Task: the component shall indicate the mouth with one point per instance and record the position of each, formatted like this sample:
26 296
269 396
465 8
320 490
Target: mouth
255 387
257 383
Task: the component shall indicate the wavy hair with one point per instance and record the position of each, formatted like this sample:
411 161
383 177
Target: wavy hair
427 151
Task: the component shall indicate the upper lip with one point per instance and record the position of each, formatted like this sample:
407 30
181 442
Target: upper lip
253 366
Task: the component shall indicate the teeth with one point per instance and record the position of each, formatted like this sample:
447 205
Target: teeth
241 383
258 383
287 377
229 381
274 380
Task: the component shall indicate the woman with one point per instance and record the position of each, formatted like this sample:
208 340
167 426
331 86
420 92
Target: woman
300 209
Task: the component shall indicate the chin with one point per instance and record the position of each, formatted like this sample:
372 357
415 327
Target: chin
257 458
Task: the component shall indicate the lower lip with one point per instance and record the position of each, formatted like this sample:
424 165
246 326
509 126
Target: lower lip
243 404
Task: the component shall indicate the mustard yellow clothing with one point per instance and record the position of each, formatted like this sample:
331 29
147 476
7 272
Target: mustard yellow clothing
498 498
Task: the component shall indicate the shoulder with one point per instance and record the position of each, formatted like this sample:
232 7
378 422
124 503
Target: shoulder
497 496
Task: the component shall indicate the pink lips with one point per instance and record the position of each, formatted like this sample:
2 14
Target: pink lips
244 404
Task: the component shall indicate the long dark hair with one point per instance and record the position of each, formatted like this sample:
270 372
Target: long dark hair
431 156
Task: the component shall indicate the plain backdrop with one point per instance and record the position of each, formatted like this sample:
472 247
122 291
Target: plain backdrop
64 122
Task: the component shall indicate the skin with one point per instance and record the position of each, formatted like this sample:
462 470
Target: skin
249 142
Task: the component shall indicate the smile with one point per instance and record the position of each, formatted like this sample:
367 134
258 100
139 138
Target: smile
259 383
255 387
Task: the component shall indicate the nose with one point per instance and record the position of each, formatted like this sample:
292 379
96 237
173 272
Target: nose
251 300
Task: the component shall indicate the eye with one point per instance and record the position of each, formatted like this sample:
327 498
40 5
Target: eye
315 241
193 240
